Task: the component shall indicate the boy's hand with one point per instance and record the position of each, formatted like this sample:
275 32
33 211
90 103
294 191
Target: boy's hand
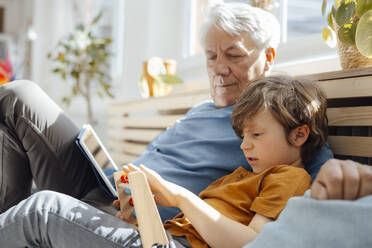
116 203
165 193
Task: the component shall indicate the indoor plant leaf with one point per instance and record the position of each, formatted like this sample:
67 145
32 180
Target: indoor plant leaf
330 20
346 33
337 3
324 6
106 86
75 74
345 12
363 36
100 94
66 100
329 37
75 90
96 19
362 7
168 79
333 11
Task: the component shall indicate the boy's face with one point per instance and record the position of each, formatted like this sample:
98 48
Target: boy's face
265 143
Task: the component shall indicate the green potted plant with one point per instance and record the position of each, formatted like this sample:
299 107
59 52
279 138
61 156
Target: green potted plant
350 22
82 58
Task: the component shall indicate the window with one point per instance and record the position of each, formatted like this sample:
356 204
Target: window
197 8
301 23
303 18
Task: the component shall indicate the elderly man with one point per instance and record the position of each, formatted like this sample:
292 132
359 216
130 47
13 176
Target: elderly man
38 138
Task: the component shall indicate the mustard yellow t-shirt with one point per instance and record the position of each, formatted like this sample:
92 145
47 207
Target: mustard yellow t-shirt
242 194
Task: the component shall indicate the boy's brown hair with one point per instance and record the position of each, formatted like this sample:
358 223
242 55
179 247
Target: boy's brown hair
292 102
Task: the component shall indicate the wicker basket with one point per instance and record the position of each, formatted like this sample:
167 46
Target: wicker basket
349 56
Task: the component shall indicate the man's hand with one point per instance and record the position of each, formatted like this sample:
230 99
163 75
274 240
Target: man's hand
342 179
165 193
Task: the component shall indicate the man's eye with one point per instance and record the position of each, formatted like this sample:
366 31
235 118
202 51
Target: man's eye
257 134
211 57
235 56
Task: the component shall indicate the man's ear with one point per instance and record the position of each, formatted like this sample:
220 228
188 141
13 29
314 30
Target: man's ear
270 57
299 135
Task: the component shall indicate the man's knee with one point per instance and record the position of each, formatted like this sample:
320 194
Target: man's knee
46 200
18 87
43 196
26 99
17 93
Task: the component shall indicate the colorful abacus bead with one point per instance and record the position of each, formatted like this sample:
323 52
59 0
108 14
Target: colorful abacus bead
127 191
124 178
131 202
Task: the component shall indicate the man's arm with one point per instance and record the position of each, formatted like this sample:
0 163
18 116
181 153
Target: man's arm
342 179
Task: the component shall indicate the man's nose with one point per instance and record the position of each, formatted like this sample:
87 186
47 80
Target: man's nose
221 68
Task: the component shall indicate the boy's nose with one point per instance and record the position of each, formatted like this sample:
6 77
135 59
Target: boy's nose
246 145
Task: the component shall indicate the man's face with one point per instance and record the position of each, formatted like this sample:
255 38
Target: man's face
232 62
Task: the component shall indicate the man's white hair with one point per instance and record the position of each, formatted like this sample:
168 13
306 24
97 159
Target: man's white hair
243 19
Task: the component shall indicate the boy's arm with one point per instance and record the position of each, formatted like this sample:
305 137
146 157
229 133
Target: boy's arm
216 229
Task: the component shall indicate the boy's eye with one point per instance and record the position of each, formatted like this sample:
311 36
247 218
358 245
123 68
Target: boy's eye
257 134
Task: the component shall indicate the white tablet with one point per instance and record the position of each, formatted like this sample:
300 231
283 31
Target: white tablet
98 156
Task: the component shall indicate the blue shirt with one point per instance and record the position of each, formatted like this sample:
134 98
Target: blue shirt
200 148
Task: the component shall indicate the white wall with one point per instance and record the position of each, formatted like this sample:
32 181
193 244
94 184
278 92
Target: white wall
14 16
52 20
152 28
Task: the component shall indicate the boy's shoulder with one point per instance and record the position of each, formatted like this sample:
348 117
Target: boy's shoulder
284 168
285 174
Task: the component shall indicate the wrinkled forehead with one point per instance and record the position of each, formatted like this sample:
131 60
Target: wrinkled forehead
217 39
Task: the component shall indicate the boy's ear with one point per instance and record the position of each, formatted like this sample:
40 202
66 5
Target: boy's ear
299 135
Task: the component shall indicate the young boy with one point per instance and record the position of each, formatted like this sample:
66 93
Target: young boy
282 122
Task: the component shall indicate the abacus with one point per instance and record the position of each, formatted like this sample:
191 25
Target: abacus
138 207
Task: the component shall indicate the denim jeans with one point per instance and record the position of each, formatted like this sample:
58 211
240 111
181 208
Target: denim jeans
51 219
